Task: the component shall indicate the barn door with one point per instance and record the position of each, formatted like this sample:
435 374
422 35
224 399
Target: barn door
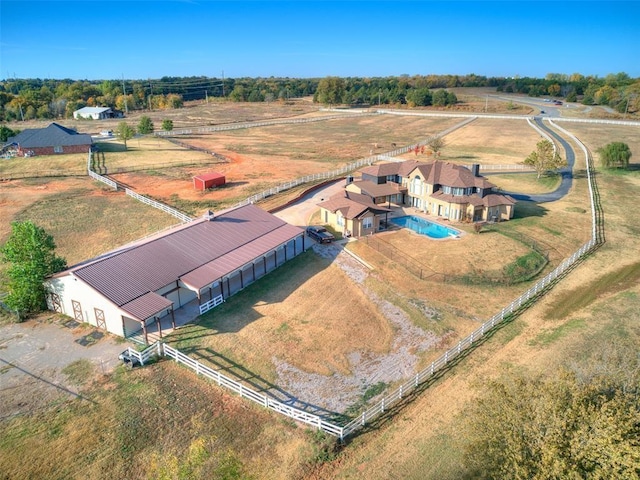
55 302
77 311
100 321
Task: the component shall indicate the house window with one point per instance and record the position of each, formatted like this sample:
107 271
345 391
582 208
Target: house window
367 222
416 186
446 189
457 191
340 220
57 149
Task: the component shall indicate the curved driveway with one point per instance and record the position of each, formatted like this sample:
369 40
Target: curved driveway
300 212
566 172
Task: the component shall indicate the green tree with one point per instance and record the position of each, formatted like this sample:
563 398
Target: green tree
581 423
419 97
167 125
615 155
330 91
124 132
30 253
6 132
145 126
545 158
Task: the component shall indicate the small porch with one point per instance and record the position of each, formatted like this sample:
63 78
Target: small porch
157 330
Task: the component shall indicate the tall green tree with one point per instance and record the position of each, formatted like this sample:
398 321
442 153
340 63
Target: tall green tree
545 158
30 253
167 125
124 132
615 155
330 91
145 126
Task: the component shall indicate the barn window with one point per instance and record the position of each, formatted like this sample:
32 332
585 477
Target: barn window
57 149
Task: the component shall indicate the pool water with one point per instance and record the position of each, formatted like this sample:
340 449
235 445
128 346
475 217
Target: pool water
425 227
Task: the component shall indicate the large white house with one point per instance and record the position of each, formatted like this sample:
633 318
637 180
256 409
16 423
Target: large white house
134 286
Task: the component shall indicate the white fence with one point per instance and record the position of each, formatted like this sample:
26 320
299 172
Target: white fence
347 168
420 378
146 354
102 179
247 392
160 206
214 302
264 123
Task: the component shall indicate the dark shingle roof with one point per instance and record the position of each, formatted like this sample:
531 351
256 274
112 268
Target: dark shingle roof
52 136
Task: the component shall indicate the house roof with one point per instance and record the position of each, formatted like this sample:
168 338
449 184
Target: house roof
53 135
451 175
351 205
198 254
92 110
394 168
378 189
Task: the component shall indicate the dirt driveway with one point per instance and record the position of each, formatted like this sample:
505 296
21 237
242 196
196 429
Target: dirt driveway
299 213
33 355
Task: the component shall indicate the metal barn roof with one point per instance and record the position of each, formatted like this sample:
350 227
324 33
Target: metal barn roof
201 252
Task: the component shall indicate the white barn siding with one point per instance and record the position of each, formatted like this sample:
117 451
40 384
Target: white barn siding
70 289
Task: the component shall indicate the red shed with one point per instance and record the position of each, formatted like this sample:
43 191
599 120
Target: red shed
208 180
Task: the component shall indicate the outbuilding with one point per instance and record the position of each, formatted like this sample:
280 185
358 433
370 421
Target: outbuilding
203 262
208 180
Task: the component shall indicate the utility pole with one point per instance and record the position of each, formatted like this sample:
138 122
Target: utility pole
206 96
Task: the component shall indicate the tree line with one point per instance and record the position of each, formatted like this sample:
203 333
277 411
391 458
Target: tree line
27 99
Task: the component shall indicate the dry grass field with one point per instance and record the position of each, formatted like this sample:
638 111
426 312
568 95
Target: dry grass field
311 315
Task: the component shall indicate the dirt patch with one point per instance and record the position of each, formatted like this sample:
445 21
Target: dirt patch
337 392
34 354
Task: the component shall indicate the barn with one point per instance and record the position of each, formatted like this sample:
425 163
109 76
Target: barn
141 286
208 180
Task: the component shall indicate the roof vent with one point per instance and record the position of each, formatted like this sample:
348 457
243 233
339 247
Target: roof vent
209 215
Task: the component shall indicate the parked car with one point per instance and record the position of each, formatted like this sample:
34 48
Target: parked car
320 234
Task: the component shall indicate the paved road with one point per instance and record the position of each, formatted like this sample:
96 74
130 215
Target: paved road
566 172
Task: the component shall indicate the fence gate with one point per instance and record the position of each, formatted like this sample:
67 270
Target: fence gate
100 321
77 311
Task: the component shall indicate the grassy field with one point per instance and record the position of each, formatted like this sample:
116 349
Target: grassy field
598 302
136 427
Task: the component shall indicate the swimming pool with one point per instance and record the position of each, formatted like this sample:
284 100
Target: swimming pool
425 227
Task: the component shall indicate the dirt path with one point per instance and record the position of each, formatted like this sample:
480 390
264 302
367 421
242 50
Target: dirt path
33 355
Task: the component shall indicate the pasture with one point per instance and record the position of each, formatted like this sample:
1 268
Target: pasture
283 324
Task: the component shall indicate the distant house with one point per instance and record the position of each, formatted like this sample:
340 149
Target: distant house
96 113
52 140
211 258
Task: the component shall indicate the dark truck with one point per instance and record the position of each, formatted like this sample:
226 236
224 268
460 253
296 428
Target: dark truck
320 234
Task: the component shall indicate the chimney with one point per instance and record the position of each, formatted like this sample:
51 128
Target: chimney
475 169
209 215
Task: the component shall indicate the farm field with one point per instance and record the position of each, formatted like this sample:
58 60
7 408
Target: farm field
312 339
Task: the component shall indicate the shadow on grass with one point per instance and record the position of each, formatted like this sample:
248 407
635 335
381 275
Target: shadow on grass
243 375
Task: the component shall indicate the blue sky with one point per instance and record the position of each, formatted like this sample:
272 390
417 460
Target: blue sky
150 39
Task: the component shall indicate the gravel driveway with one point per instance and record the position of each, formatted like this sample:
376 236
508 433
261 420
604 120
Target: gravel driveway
34 353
